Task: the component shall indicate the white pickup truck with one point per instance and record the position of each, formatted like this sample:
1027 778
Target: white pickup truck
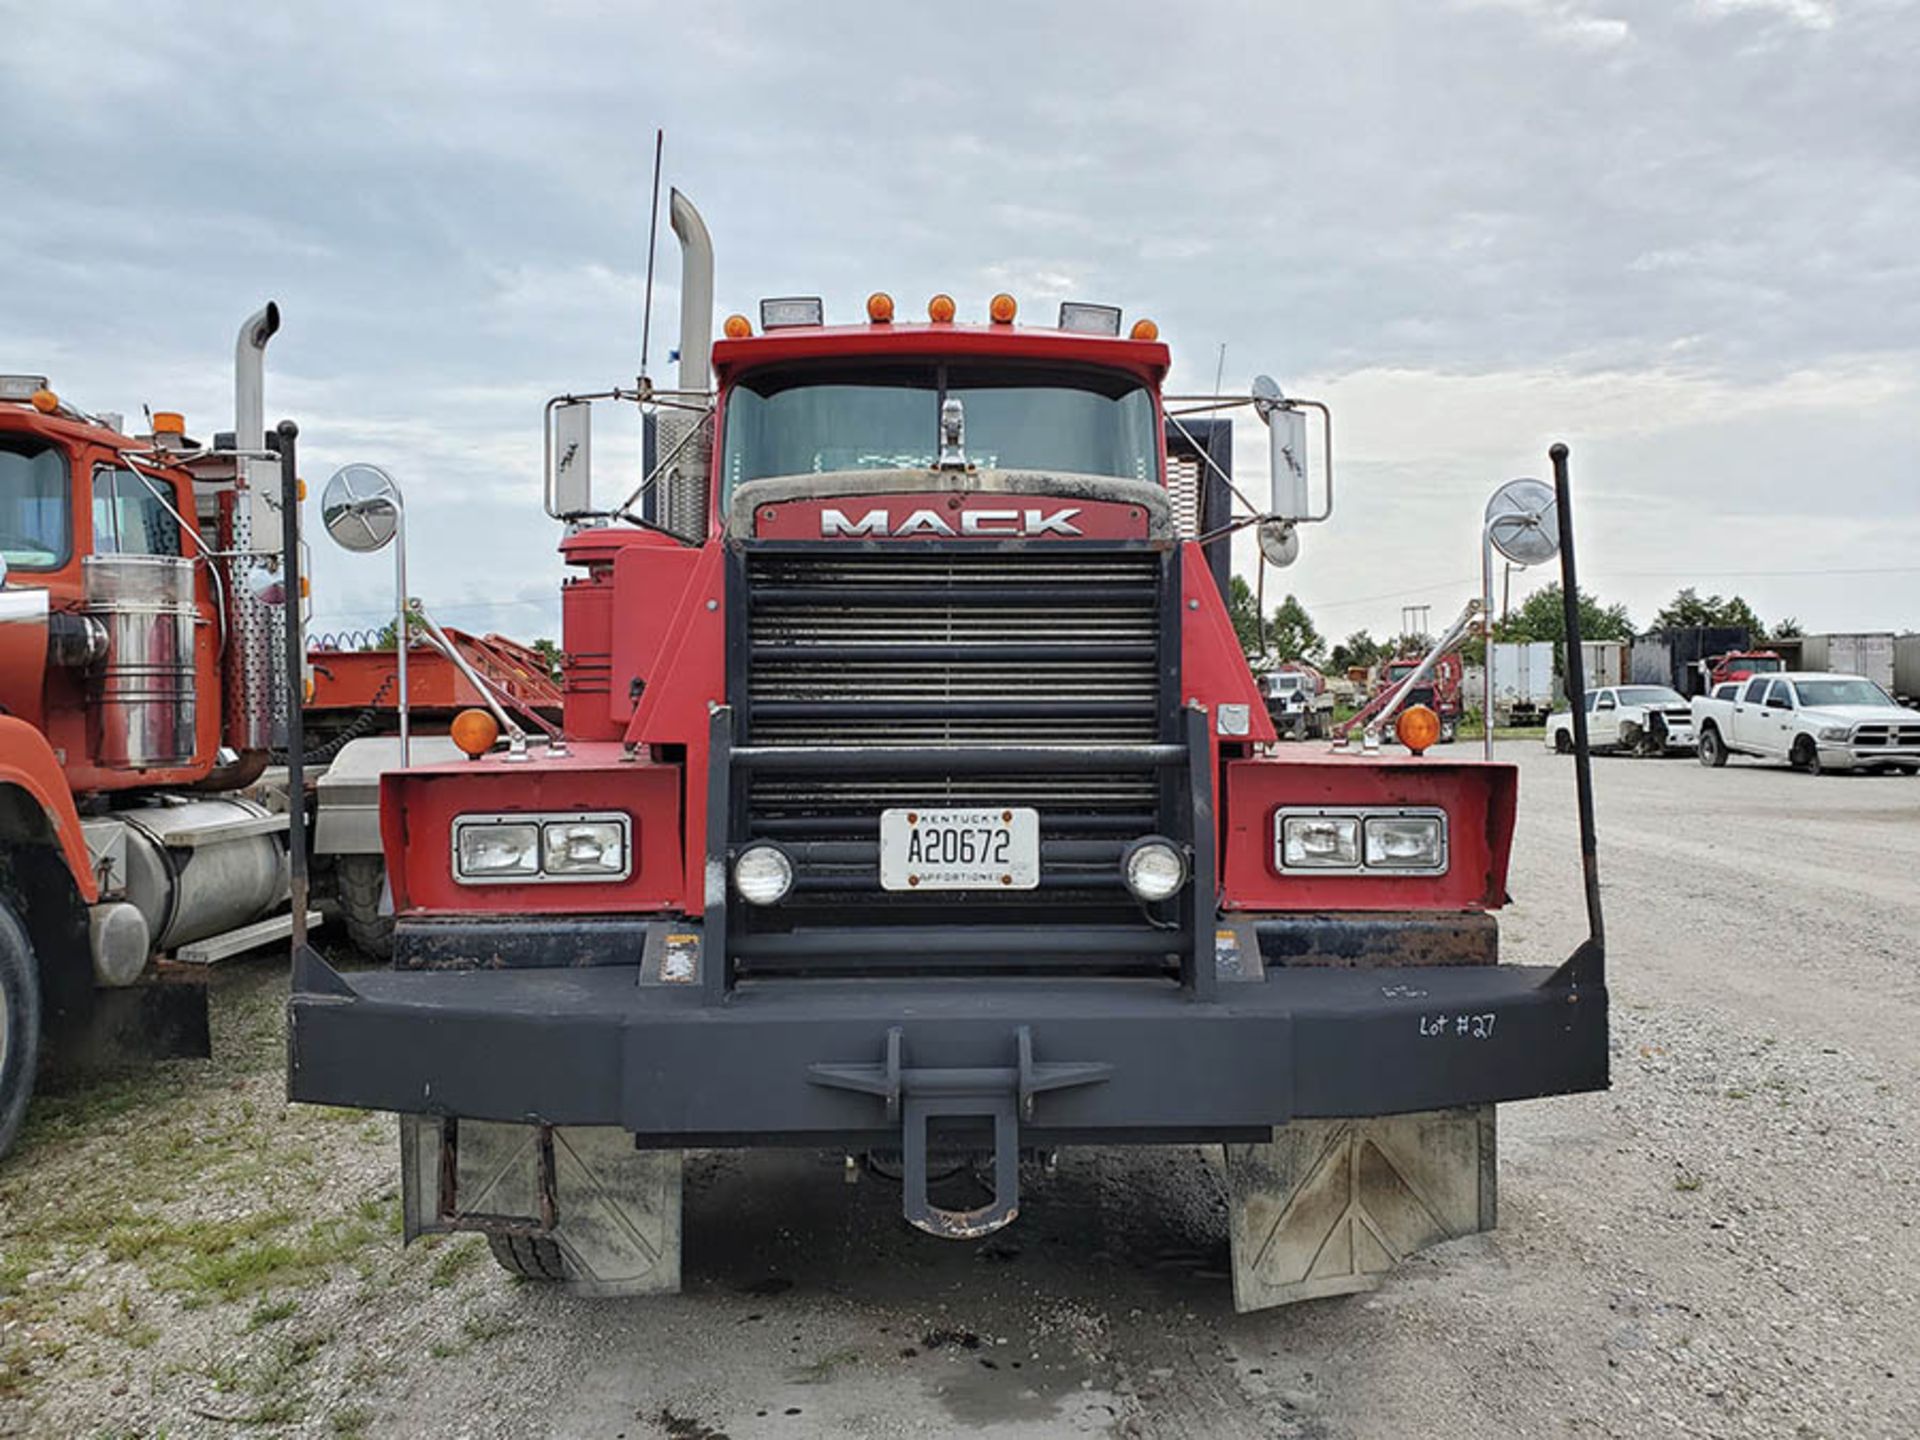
1641 719
1813 721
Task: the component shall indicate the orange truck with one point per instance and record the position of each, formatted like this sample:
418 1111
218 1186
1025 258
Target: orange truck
142 691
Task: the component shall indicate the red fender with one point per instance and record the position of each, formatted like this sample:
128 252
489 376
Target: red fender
28 761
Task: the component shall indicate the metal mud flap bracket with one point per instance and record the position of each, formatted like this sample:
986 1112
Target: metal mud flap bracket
915 1097
612 1210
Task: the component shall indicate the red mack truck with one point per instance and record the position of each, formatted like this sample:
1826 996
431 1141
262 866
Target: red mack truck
913 800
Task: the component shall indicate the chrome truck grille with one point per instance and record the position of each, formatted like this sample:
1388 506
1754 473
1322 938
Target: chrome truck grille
924 648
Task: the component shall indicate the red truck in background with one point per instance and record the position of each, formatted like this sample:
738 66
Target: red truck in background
1440 692
1742 665
913 799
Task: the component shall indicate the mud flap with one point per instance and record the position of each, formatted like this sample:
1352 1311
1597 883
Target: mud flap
1329 1206
613 1210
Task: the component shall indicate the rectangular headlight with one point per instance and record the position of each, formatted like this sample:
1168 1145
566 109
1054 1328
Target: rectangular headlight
1366 840
490 850
1406 842
584 847
790 311
542 848
1319 842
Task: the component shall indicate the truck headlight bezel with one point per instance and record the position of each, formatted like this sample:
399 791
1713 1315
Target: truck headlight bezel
1836 733
550 858
1365 846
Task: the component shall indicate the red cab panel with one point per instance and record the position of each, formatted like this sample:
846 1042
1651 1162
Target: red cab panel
1478 800
418 808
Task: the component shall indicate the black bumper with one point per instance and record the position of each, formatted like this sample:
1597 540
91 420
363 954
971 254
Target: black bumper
818 1061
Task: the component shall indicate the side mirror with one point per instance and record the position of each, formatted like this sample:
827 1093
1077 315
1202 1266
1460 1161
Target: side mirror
361 508
570 459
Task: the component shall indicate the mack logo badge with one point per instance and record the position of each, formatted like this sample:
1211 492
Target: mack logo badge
972 522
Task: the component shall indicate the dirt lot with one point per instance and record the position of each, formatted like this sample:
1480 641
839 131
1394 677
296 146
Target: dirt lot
1723 1245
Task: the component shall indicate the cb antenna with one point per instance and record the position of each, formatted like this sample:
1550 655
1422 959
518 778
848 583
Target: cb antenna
653 236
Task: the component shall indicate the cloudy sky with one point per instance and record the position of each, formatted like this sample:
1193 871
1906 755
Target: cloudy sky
1682 235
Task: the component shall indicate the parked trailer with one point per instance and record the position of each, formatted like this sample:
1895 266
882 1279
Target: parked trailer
926 808
1906 670
1523 683
1674 657
1868 653
1606 663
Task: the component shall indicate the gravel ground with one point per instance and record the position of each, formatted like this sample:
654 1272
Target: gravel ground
1724 1244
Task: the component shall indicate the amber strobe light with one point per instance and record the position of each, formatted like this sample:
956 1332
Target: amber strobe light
1145 330
474 731
940 309
738 327
880 307
1003 309
1418 728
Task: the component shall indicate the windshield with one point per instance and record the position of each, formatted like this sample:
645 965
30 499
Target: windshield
1400 672
805 420
1651 695
1756 664
33 504
1819 693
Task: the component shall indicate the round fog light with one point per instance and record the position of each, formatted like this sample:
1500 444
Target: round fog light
763 875
1154 869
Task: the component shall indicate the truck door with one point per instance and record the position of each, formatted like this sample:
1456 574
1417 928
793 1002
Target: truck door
1603 726
1781 718
1753 728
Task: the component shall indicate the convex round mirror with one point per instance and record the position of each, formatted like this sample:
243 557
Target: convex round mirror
1523 522
361 508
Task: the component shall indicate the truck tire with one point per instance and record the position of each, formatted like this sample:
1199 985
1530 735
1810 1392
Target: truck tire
1805 755
19 1023
531 1257
1633 740
1713 754
359 879
1563 742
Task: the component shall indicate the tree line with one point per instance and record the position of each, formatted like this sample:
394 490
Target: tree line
1288 633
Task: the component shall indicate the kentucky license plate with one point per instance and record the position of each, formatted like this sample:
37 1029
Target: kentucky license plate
987 849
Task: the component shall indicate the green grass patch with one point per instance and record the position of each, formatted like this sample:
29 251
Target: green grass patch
453 1261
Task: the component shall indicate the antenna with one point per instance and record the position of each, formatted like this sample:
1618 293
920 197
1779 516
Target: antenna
653 235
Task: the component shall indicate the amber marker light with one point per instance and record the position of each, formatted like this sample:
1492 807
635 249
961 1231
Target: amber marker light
738 327
169 422
880 308
1003 308
940 309
1418 728
1144 330
45 401
474 731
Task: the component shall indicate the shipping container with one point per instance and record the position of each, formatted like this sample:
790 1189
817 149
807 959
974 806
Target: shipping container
1672 657
1868 653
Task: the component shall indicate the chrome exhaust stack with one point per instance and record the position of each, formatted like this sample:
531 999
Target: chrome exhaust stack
684 500
253 671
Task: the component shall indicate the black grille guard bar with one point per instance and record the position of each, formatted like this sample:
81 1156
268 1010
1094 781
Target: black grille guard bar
729 763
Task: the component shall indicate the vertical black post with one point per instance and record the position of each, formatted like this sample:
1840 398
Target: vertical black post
1588 963
286 432
716 959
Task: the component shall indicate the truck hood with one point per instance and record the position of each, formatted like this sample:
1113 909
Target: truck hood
1854 714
